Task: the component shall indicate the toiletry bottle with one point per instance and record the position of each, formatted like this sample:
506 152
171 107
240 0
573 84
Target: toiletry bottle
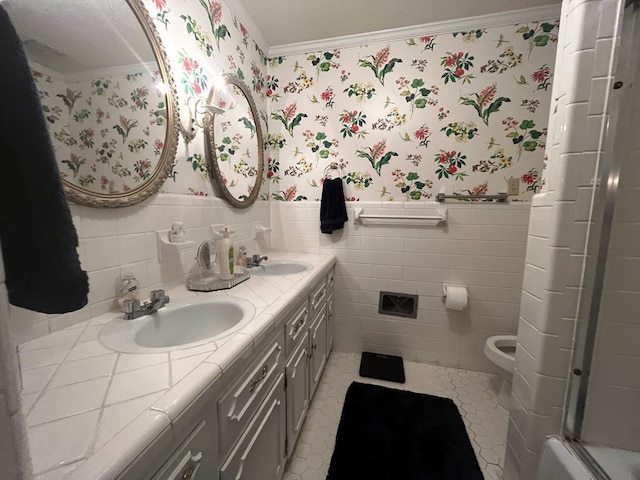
241 260
226 255
128 290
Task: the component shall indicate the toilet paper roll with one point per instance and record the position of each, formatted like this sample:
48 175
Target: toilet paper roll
457 297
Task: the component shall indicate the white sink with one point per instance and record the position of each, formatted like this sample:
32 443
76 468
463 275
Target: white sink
178 326
280 268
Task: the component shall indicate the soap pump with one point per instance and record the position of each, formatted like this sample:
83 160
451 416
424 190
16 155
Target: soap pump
225 250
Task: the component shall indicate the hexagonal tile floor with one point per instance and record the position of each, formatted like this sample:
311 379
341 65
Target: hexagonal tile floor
474 393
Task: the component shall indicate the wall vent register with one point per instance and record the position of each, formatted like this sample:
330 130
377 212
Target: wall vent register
398 304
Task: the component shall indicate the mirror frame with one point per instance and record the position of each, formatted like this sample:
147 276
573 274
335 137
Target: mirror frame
81 196
212 159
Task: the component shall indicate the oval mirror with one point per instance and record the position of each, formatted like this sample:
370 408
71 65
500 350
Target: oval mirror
234 142
107 94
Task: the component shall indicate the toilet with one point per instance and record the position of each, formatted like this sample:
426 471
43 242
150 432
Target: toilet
501 351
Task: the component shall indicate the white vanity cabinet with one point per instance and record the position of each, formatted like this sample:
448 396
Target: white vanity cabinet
252 418
193 459
307 352
260 451
317 350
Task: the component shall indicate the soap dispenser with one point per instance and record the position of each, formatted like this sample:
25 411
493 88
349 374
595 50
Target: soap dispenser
226 255
129 289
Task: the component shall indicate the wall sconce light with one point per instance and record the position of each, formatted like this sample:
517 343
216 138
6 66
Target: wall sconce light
200 116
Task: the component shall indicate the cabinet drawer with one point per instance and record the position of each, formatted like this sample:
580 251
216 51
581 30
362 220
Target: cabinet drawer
260 452
295 327
317 299
240 403
330 279
194 459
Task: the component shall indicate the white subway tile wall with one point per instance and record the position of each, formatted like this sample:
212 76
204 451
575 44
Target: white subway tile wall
482 245
14 450
113 241
558 230
614 394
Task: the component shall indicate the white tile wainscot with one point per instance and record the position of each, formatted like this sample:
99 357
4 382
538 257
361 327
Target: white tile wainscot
91 411
482 245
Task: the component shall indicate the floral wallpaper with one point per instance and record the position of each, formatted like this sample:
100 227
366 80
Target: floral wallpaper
459 113
204 39
108 132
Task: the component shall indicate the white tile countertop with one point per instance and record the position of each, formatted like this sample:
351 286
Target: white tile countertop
91 411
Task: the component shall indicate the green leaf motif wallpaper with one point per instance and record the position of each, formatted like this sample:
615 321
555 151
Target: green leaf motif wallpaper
458 112
108 131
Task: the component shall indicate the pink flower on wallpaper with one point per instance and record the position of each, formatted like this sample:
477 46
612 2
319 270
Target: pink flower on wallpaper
529 177
540 76
216 9
290 111
378 149
160 4
481 189
327 95
421 133
487 95
189 64
382 56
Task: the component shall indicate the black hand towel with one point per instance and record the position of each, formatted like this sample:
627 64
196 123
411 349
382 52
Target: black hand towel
38 238
333 212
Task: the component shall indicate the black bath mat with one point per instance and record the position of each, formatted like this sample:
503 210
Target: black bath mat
382 367
389 434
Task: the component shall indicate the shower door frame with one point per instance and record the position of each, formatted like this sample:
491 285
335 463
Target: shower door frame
598 237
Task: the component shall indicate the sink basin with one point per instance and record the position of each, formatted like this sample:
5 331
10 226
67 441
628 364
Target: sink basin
280 268
178 326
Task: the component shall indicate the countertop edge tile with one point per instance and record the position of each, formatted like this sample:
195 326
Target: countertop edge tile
150 428
177 399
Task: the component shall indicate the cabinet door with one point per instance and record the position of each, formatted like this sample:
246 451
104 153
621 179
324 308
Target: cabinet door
318 349
259 454
194 459
297 372
239 404
295 327
330 323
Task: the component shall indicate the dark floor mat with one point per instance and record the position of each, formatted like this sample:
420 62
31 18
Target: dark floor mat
390 434
382 367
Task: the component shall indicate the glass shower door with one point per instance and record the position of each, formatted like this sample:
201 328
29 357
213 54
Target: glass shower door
604 398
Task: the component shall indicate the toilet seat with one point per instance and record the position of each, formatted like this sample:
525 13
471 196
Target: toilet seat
500 358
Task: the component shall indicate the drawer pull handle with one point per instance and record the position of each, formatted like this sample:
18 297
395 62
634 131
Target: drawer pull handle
188 473
254 384
314 346
318 297
298 324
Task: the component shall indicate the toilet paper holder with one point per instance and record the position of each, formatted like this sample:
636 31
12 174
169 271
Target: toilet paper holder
459 297
446 285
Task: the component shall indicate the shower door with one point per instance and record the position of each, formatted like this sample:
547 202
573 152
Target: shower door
603 405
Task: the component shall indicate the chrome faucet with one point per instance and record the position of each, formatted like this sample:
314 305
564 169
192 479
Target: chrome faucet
135 309
255 260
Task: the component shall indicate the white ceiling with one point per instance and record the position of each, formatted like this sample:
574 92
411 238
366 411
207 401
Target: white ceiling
285 22
70 36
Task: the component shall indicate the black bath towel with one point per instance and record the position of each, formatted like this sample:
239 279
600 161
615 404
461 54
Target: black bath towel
38 238
333 212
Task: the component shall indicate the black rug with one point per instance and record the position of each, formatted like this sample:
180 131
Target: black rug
388 434
383 367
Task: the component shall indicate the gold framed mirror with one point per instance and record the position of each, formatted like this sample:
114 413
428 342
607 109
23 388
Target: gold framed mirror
107 93
235 150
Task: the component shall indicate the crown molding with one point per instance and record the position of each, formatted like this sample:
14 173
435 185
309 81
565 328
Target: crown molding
549 12
244 18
